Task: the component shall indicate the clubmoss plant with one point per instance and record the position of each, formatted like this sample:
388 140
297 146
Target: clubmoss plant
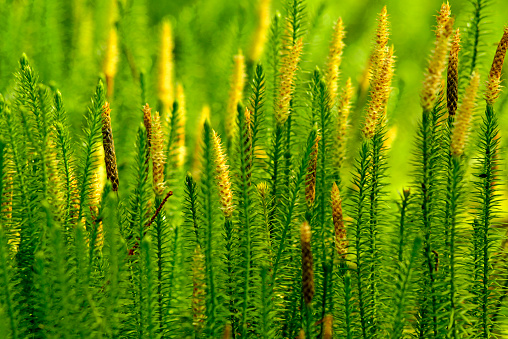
265 228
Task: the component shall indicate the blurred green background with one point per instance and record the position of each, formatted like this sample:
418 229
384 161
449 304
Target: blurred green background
66 42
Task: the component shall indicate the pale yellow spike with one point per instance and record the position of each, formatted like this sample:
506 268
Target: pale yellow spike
235 94
166 70
494 82
180 128
196 162
289 66
261 33
464 116
344 108
111 60
381 41
158 155
334 60
379 95
437 63
223 177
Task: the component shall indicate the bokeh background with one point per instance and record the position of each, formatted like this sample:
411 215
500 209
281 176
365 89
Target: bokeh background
66 41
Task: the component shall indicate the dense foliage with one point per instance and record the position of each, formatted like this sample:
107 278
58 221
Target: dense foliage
271 213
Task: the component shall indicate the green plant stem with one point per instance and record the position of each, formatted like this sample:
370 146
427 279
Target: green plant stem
358 216
487 198
426 183
293 196
245 142
455 193
6 279
159 226
403 211
375 185
145 245
308 320
402 291
277 157
228 235
346 279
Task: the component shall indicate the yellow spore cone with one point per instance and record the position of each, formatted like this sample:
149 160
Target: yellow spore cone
180 127
341 242
437 63
223 177
464 116
379 95
111 60
334 60
235 94
158 155
344 108
452 84
310 178
494 82
196 163
165 81
287 81
260 35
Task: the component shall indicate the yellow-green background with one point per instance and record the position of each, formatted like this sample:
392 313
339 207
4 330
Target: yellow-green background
207 35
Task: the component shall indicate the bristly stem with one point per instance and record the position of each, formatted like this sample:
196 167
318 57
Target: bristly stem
376 158
402 290
5 278
322 98
245 141
208 198
276 163
360 198
92 139
159 248
486 186
478 16
428 191
455 193
291 204
402 223
228 237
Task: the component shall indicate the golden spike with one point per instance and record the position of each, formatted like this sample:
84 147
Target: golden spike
180 127
223 177
437 61
165 81
494 82
109 147
345 102
464 116
380 43
147 121
287 72
196 163
379 95
452 85
310 178
111 60
260 35
235 94
158 155
334 60
341 242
